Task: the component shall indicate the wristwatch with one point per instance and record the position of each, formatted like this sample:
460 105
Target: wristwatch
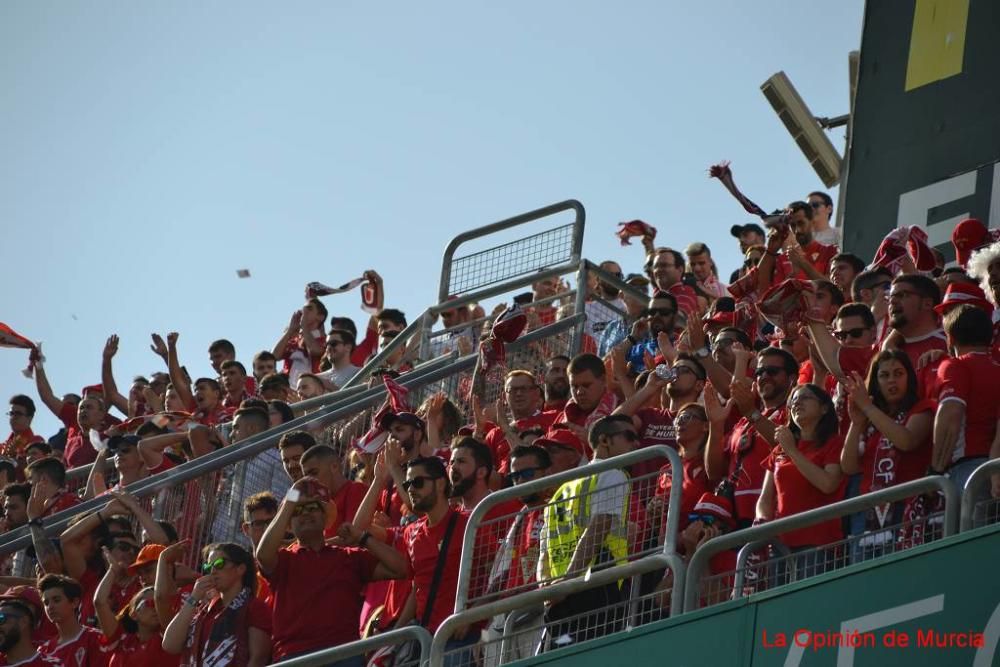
702 352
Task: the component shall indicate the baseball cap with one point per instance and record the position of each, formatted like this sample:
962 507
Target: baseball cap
561 437
148 554
27 597
957 294
407 418
719 507
737 230
968 235
637 280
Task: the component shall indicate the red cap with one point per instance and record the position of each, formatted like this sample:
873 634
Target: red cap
966 237
560 436
26 596
958 293
717 506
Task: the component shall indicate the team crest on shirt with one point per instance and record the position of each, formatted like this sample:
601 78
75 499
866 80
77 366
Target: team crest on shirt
80 656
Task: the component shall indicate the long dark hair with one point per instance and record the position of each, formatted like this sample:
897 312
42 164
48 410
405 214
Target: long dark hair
909 398
828 424
238 556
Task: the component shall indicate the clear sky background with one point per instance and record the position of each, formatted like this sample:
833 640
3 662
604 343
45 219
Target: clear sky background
149 150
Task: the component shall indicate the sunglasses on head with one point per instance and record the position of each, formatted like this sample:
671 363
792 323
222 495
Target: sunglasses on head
213 565
856 332
706 519
418 482
525 475
311 506
768 370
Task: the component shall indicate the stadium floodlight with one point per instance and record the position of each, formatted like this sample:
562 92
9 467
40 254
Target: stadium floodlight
806 129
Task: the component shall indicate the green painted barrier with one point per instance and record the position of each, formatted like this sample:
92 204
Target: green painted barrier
935 605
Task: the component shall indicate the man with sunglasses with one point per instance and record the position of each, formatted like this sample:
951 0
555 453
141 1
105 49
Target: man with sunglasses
822 210
658 317
20 615
736 454
20 414
317 587
339 346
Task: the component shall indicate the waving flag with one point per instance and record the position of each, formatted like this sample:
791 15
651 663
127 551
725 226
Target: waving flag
634 228
906 240
369 292
10 338
395 401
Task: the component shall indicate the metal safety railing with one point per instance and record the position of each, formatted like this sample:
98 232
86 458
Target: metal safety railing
562 244
979 508
364 647
809 561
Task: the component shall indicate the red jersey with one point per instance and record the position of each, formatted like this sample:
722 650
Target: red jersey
517 563
694 482
297 359
317 597
882 465
746 451
63 500
974 380
87 649
797 494
79 451
498 444
203 650
127 650
37 660
915 347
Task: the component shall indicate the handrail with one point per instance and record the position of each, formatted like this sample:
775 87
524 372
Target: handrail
553 481
560 590
744 555
360 647
20 537
537 214
764 531
972 485
615 281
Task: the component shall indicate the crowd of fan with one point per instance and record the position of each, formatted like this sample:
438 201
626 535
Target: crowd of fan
885 375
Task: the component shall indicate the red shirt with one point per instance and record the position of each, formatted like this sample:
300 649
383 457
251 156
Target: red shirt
819 255
422 548
79 451
364 349
317 597
851 360
37 660
63 500
749 474
87 649
916 346
694 482
797 494
974 380
129 651
119 597
525 550
882 465
15 444
498 444
257 616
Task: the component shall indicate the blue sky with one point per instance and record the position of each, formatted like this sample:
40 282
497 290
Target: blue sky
148 151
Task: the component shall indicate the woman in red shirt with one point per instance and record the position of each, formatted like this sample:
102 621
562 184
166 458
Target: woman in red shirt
134 633
803 473
691 424
888 443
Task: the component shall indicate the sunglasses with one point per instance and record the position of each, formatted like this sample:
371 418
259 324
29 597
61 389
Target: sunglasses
665 312
14 413
6 616
856 332
334 343
525 475
213 565
311 506
418 482
706 519
125 547
768 370
816 204
685 418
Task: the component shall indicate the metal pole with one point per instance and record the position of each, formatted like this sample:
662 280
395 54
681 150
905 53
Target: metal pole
969 493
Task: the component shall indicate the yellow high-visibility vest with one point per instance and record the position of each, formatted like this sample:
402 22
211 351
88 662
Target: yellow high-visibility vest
567 516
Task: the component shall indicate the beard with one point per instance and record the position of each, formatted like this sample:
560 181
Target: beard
10 639
557 391
425 504
898 320
461 487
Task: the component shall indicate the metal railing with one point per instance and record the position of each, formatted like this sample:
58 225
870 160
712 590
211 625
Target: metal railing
698 563
522 257
364 646
552 482
972 492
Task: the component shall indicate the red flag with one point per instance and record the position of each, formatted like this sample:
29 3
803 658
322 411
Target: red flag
10 338
506 329
397 395
784 305
634 228
395 401
906 240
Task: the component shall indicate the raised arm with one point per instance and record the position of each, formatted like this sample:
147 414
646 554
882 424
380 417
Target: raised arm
827 346
151 448
106 618
391 563
154 532
715 371
716 461
46 553
96 484
111 394
74 558
654 385
293 328
45 390
177 378
270 543
165 586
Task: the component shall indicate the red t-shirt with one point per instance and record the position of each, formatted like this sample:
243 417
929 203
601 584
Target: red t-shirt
747 468
317 597
974 380
494 527
656 427
63 500
365 348
882 465
79 451
37 660
422 548
87 649
819 255
348 500
694 482
119 597
851 360
127 650
797 494
916 346
498 444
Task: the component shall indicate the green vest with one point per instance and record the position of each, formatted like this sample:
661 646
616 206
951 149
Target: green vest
567 516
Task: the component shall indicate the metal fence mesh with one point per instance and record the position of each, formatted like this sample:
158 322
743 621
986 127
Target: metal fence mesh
511 260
